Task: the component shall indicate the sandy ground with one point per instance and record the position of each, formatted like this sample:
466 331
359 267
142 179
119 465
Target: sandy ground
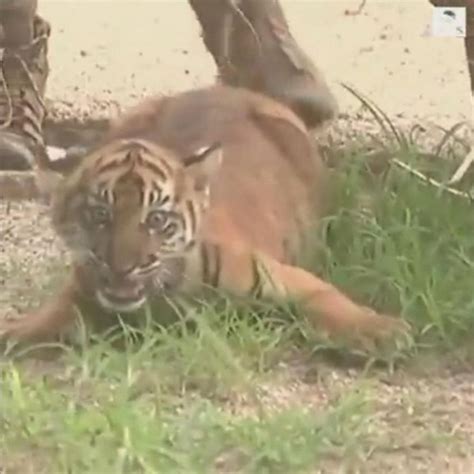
105 54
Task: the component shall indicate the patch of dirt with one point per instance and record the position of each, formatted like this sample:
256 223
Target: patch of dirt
416 423
96 71
29 251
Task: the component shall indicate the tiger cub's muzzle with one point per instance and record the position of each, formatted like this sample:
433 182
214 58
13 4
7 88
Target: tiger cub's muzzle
121 293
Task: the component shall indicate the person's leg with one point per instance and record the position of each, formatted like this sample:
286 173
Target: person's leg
23 74
252 46
469 44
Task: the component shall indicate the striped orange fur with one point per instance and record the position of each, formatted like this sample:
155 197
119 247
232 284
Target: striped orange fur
218 187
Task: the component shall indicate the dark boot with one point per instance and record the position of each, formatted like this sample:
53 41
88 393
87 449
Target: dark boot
252 46
23 74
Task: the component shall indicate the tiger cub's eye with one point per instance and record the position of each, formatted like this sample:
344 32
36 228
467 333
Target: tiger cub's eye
170 229
162 222
156 220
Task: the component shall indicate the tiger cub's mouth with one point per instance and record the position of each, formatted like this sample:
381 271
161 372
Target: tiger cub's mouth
123 298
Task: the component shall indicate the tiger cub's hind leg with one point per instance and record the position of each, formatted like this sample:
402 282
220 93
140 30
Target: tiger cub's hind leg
330 310
243 272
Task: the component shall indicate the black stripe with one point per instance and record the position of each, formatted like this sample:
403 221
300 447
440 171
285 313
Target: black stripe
157 187
204 264
217 266
132 154
109 166
98 162
192 215
189 245
210 264
164 199
256 288
167 167
155 169
142 196
129 145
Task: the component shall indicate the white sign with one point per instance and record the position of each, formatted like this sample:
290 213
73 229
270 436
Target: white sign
449 22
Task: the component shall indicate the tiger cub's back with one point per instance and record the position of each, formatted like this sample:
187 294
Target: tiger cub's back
269 185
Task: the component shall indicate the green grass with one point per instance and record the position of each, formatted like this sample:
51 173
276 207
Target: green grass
177 403
114 429
189 401
403 247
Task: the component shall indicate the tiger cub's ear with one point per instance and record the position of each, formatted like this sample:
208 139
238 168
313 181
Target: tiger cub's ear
203 164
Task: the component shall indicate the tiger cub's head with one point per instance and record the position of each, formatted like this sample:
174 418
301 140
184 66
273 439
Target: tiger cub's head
129 213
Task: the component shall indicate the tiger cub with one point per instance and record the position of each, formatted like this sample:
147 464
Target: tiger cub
212 187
